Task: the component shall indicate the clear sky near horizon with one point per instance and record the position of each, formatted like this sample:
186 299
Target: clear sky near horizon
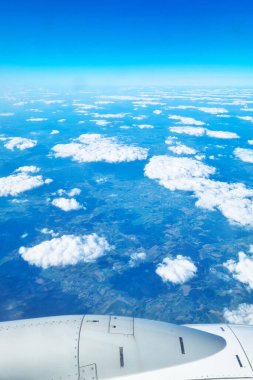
105 38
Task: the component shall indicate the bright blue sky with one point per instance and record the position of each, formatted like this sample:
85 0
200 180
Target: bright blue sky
166 35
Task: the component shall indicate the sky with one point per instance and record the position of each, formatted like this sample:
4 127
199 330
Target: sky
156 40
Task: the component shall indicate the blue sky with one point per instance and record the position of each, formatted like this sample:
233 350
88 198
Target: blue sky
169 38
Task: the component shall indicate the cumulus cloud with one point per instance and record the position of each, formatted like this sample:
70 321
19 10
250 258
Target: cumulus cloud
157 112
61 120
243 315
200 131
66 250
177 271
36 119
66 204
182 149
233 200
20 181
186 120
20 143
245 155
250 142
95 148
243 268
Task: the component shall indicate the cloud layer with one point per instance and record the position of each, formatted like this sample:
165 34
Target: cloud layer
66 250
95 148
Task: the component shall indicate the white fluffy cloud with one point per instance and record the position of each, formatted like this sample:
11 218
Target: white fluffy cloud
66 204
186 120
20 181
20 143
66 250
177 271
95 148
243 268
250 142
245 155
243 315
182 149
200 131
234 200
54 132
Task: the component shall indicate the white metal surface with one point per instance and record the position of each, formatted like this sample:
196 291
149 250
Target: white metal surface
94 347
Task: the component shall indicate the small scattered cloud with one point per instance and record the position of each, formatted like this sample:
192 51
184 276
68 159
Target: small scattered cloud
66 250
5 114
27 169
20 143
66 204
186 120
200 131
36 119
145 126
178 270
233 200
243 315
245 155
71 193
54 132
243 268
101 123
136 258
20 181
47 231
95 148
211 110
111 115
61 120
182 149
246 118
